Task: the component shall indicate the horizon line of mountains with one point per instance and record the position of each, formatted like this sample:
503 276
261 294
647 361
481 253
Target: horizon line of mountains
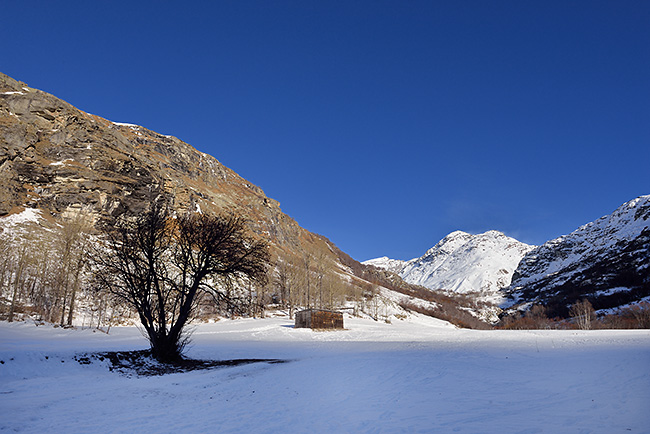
59 159
606 261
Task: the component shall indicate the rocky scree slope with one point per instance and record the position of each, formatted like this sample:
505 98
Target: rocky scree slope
606 261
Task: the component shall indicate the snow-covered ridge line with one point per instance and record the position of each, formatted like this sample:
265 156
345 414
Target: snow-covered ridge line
624 224
124 124
605 262
393 265
462 262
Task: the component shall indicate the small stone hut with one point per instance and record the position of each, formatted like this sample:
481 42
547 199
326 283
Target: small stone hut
319 319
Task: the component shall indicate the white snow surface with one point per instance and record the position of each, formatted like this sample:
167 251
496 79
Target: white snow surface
124 124
463 263
25 216
394 265
62 162
417 375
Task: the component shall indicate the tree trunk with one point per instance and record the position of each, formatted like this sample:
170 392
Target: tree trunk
17 284
69 322
164 348
2 276
65 295
12 309
75 287
100 313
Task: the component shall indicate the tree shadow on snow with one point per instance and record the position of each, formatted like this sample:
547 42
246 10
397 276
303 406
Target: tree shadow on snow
142 363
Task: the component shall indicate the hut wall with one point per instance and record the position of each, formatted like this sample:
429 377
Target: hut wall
319 319
303 319
323 319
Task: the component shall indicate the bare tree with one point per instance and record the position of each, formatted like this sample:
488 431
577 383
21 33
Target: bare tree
5 256
583 314
374 299
307 260
320 269
71 248
281 281
288 280
641 313
160 266
22 260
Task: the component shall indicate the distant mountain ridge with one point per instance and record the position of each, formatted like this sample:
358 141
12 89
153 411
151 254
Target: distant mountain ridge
462 263
606 262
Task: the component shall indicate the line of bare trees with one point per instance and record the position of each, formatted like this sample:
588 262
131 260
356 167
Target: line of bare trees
582 316
45 271
168 270
310 280
47 274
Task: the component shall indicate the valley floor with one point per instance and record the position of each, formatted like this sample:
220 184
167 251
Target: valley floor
417 375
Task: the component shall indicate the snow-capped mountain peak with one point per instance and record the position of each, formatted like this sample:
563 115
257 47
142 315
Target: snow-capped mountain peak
462 262
590 262
448 244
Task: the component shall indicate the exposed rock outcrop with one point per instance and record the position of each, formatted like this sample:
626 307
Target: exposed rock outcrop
606 261
57 158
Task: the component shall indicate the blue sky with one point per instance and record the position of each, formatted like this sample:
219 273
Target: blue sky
383 125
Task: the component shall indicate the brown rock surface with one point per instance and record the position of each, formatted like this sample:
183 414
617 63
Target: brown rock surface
60 159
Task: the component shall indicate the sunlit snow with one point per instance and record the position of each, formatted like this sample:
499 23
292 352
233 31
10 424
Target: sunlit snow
124 124
62 162
417 375
25 216
462 263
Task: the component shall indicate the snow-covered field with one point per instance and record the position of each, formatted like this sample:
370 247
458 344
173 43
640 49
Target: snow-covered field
418 375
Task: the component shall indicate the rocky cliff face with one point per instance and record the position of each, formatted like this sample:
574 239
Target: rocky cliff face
59 159
606 261
463 263
56 160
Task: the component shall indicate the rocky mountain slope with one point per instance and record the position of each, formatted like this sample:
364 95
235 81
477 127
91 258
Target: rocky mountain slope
57 162
59 159
462 263
606 261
